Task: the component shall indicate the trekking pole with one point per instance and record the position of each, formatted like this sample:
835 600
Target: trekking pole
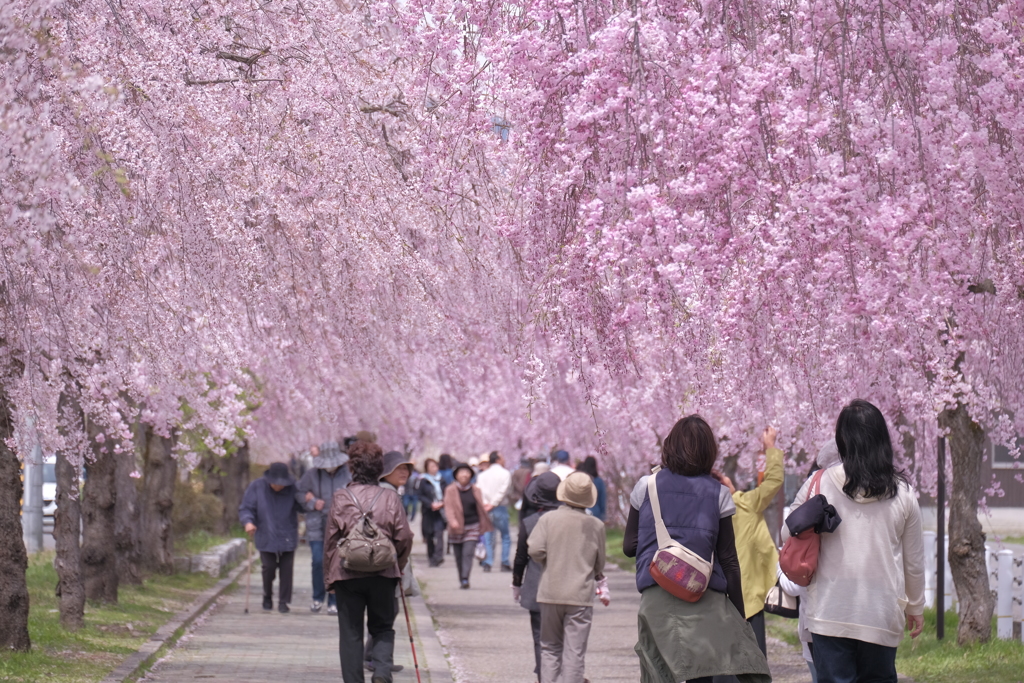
408 626
248 574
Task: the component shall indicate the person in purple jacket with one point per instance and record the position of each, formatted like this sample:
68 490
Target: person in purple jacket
269 512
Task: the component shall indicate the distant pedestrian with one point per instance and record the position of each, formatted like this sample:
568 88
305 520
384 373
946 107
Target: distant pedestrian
561 466
410 495
570 545
467 520
600 509
495 485
869 583
447 469
520 480
432 523
680 640
315 491
542 496
361 508
269 512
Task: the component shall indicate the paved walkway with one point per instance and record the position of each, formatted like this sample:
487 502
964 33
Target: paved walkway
485 636
268 647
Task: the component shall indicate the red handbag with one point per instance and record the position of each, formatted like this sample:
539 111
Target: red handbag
799 556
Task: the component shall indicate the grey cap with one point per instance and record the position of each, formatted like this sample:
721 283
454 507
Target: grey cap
393 460
331 456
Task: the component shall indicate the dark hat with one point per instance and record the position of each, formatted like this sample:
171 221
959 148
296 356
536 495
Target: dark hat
562 456
279 475
542 489
393 460
462 466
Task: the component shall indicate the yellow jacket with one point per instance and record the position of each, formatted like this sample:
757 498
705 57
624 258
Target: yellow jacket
759 558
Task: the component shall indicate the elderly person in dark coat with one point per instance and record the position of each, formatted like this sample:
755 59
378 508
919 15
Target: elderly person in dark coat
270 512
315 491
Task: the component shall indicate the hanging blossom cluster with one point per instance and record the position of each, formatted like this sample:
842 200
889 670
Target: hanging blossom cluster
472 225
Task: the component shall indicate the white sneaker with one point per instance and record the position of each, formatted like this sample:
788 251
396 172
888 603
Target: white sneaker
332 609
316 606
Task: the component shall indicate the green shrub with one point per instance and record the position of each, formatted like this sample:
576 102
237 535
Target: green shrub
194 510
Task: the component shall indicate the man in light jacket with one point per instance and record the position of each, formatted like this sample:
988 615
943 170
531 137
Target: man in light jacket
314 493
495 483
570 545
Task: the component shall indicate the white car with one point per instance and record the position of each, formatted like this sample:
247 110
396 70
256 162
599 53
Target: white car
49 489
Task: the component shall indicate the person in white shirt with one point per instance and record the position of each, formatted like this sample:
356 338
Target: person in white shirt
561 466
495 483
870 576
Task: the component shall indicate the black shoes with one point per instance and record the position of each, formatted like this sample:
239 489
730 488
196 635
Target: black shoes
268 604
464 584
487 568
506 568
283 608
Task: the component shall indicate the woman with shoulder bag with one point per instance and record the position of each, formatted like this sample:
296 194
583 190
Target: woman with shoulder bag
869 580
680 531
361 513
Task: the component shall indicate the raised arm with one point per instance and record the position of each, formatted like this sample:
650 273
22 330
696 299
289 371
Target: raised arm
761 497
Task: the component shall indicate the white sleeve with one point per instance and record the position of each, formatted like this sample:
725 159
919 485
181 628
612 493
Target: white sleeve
726 506
639 494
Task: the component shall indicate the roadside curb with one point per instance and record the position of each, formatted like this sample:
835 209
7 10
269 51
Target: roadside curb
433 663
169 633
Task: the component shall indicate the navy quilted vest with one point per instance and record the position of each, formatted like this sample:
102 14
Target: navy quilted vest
689 506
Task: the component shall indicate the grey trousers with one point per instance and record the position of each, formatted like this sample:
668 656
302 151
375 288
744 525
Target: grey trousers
564 630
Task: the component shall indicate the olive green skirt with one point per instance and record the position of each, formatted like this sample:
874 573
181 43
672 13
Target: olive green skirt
680 640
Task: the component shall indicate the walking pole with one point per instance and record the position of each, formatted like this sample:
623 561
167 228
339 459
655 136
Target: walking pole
408 626
248 574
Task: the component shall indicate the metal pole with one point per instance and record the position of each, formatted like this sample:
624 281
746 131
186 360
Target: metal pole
1004 602
940 545
32 505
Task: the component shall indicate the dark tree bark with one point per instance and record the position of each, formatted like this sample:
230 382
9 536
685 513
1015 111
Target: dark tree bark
13 558
99 555
126 520
159 472
966 538
67 526
227 478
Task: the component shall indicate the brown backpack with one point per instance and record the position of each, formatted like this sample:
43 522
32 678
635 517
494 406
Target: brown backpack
366 548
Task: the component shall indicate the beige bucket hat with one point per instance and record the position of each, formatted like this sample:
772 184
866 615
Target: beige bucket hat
577 490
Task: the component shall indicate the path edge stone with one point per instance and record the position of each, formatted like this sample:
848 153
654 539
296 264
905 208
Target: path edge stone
433 663
129 669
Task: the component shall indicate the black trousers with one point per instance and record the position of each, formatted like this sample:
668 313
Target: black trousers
272 562
372 598
844 660
464 558
433 533
535 627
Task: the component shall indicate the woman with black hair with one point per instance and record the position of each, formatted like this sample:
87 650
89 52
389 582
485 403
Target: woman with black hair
870 576
680 640
600 509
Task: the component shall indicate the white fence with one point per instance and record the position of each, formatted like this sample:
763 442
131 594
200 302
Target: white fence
1005 577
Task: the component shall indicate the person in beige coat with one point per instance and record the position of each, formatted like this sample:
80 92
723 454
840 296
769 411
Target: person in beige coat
570 545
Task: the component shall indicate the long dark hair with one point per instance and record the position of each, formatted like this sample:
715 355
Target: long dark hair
589 465
690 448
445 462
866 450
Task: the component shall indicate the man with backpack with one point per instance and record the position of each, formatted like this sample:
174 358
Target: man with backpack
367 539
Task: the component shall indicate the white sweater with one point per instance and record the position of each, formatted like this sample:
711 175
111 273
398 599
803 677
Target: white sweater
870 570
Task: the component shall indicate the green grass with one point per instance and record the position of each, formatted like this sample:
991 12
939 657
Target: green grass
1015 540
613 549
932 661
782 629
198 541
112 632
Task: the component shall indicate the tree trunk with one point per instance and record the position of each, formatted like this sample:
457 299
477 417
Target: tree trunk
67 527
99 555
227 478
13 558
126 520
160 470
966 538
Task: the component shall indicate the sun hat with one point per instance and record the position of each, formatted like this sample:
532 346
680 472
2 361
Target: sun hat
473 461
393 460
364 435
331 456
562 456
462 466
577 490
540 468
278 475
542 491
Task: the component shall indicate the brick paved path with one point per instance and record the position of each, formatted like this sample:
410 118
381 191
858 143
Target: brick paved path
268 647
